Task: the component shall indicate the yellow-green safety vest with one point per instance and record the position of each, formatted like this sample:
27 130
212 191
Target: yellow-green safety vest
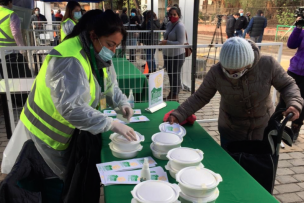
40 115
6 35
62 33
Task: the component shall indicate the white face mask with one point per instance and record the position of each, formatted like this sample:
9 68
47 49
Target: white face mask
237 75
36 12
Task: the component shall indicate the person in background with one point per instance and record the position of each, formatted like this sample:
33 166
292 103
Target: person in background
58 15
53 16
124 17
37 17
248 14
11 36
146 38
139 16
261 36
132 37
256 26
230 25
70 18
166 19
174 58
244 85
83 11
296 71
240 24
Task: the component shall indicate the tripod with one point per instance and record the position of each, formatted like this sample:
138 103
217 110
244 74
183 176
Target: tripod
216 36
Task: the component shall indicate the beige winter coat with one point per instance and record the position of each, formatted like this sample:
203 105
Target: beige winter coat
246 104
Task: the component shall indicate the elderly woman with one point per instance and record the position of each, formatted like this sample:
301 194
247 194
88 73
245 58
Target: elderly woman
243 78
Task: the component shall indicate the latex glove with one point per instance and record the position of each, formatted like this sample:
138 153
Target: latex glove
172 119
127 112
293 110
123 130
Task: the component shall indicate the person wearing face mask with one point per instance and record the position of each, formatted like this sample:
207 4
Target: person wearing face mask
166 19
240 24
70 18
132 37
243 77
38 17
63 115
230 25
174 58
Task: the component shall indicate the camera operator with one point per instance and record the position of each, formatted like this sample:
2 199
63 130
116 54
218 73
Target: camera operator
296 70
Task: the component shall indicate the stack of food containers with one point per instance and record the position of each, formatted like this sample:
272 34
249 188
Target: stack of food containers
183 157
198 184
155 191
123 148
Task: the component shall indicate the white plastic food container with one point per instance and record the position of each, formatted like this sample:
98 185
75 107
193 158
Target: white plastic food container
187 199
181 133
155 191
164 142
184 157
174 172
159 155
124 155
122 144
198 182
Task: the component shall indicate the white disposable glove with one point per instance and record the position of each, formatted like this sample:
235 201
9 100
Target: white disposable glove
127 112
123 130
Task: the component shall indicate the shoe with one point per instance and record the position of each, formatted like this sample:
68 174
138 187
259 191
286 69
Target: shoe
173 98
296 130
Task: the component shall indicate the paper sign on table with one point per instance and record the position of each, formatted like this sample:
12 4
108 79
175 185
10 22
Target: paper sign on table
137 111
174 128
131 177
121 118
137 119
124 165
110 112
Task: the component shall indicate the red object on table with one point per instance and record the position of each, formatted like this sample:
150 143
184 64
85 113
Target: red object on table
191 119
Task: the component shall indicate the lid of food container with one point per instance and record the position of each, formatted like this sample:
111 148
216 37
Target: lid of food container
185 155
210 198
181 131
169 167
163 138
117 138
139 148
197 177
156 191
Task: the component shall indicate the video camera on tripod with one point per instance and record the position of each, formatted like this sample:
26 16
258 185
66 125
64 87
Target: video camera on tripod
299 12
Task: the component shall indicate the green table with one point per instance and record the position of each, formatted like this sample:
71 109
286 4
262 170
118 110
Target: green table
130 77
237 185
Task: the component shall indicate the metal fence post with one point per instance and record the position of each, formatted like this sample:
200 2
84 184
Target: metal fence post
194 44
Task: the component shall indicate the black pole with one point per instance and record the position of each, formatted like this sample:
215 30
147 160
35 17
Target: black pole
152 13
194 44
129 13
112 5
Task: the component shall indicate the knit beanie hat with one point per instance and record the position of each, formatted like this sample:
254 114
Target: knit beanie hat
236 53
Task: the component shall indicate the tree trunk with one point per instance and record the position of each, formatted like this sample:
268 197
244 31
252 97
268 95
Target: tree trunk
136 3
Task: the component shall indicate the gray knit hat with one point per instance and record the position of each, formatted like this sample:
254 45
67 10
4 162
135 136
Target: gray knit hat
236 53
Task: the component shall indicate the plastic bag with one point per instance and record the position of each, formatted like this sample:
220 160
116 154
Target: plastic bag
13 148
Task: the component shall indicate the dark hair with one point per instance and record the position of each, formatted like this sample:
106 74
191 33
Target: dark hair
124 9
134 11
148 15
69 10
177 9
5 2
236 14
103 23
259 12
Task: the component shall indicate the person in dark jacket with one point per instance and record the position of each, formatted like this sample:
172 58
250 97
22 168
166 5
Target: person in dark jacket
132 37
166 19
230 25
37 16
296 71
124 17
256 26
240 24
248 14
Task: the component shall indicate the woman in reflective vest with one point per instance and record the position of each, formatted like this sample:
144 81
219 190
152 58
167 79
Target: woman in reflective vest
76 78
70 18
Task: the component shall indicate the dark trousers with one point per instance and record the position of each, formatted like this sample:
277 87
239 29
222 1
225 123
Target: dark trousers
151 60
174 66
229 35
17 67
132 55
300 82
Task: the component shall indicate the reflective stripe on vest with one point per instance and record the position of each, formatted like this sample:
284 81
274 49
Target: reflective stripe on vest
62 32
6 35
40 115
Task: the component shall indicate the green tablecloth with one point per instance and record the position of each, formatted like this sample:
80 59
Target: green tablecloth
237 185
130 77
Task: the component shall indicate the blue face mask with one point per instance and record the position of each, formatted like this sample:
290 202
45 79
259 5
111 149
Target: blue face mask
133 14
241 14
105 53
77 15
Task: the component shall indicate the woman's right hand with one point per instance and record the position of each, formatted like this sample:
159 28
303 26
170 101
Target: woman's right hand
299 18
123 130
172 119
